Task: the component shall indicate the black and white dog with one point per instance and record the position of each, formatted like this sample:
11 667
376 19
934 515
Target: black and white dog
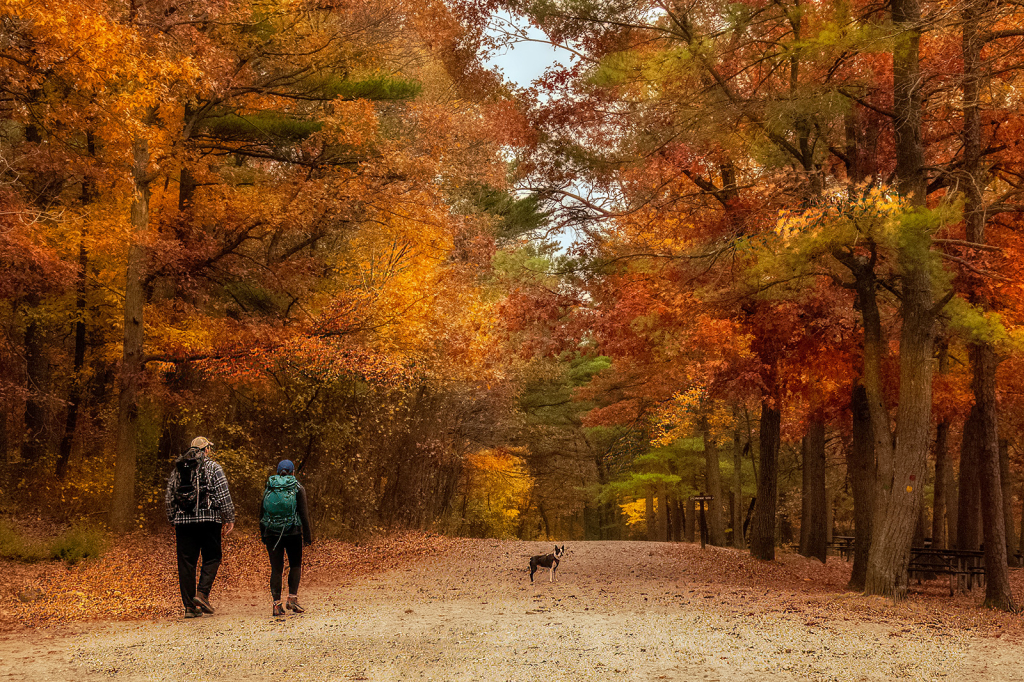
547 561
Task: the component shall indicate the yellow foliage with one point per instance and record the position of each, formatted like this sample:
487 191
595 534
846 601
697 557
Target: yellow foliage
684 415
868 213
636 512
497 488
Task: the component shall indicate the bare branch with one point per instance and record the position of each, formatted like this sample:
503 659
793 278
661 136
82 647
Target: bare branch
967 244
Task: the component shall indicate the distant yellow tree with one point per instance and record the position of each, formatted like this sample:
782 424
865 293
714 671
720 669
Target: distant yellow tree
496 492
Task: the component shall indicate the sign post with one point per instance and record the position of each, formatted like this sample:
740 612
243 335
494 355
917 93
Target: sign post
701 499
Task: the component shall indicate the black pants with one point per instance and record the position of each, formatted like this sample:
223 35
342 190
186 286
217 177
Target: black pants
195 540
292 544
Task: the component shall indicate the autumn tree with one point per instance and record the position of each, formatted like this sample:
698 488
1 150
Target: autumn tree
297 180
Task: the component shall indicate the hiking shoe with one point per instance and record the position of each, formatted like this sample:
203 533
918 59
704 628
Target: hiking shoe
278 610
193 612
293 604
202 602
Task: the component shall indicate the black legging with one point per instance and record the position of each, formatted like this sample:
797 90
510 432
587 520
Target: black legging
292 544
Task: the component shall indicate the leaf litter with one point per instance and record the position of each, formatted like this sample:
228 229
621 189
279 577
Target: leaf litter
611 607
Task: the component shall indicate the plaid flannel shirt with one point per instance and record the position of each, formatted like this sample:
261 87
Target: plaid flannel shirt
221 510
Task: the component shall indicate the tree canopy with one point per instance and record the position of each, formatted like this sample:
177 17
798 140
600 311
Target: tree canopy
331 231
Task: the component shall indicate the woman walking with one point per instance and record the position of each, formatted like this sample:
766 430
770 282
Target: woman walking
285 529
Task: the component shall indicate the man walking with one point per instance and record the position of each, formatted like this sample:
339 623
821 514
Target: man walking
199 505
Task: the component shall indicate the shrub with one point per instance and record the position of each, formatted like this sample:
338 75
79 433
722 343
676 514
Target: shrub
14 545
77 543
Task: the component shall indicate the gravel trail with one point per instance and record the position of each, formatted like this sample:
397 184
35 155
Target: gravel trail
616 611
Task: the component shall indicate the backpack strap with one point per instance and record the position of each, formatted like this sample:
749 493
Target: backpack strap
279 536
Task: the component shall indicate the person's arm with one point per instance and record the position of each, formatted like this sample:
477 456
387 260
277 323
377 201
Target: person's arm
222 496
169 497
307 529
259 514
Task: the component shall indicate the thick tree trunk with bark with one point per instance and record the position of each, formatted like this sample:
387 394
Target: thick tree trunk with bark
902 461
860 466
982 355
901 467
762 524
997 575
122 503
814 516
907 99
968 523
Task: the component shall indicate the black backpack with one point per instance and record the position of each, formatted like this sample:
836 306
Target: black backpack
191 491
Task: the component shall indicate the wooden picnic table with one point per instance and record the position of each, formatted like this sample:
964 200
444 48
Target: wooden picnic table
843 545
966 564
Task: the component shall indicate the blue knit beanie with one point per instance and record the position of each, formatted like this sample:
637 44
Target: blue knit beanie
285 466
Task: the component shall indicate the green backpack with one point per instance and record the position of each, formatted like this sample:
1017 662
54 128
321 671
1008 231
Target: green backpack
280 504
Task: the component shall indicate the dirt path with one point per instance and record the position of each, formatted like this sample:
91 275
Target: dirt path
616 611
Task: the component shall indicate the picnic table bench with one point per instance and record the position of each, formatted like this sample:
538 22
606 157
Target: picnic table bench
843 545
968 564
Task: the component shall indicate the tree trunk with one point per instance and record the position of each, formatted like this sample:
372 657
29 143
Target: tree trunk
854 163
609 510
940 524
663 522
861 469
901 462
907 100
968 523
1021 536
813 508
676 517
901 467
690 521
762 525
669 530
982 355
713 478
919 531
1004 478
33 444
77 385
998 594
884 577
738 541
652 522
122 503
952 507
89 195
940 534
